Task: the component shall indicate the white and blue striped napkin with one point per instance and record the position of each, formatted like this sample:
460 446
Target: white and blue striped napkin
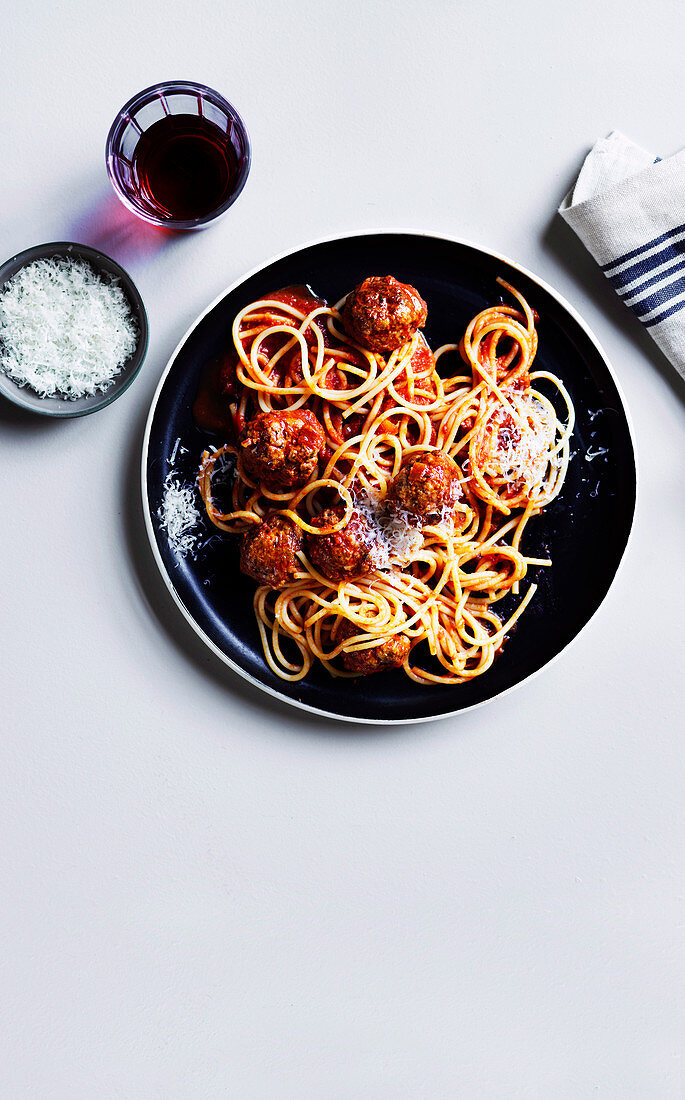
628 208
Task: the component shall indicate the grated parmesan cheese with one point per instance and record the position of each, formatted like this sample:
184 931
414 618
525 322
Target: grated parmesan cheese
397 534
178 450
599 453
64 330
518 453
178 516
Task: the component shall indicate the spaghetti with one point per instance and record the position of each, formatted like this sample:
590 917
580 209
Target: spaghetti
431 579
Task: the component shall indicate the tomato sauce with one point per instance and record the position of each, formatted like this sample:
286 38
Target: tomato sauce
218 386
216 391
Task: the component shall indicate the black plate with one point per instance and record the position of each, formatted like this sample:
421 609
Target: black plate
585 530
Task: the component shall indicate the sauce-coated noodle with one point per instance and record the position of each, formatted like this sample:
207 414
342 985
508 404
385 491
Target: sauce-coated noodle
439 581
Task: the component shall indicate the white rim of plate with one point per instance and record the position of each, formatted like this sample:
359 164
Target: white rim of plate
331 715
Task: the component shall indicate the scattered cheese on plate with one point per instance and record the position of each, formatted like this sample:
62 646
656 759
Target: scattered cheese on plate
178 516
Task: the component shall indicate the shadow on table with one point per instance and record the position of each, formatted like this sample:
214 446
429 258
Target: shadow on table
107 225
563 243
17 421
157 598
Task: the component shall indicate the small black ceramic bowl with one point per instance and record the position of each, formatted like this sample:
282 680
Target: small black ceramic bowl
28 399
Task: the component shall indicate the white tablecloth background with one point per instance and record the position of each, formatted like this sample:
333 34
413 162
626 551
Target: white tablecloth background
204 894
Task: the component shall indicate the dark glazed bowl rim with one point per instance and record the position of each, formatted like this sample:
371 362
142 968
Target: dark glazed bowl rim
28 399
122 119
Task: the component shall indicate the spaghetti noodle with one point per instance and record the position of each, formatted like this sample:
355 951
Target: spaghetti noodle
433 576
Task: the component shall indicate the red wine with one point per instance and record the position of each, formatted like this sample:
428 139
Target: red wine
185 166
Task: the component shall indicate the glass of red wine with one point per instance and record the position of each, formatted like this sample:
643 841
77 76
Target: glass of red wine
178 155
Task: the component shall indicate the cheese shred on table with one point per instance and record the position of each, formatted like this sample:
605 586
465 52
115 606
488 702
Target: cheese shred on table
64 330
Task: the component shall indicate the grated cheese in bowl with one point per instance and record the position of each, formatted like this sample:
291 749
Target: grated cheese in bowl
65 330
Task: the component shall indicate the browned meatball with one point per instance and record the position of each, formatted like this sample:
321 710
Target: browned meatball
282 449
352 552
427 485
382 314
389 653
268 552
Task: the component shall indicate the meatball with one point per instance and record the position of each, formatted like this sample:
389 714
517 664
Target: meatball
382 314
352 552
427 485
268 552
282 449
390 653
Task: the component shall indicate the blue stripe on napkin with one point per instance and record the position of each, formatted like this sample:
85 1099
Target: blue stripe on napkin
649 270
644 283
669 235
643 267
646 305
666 313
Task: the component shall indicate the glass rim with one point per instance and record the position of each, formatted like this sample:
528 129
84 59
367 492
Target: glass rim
123 117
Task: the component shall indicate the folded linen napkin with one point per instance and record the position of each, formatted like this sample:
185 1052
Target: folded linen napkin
628 208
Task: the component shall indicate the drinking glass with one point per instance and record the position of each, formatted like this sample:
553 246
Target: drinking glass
175 97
